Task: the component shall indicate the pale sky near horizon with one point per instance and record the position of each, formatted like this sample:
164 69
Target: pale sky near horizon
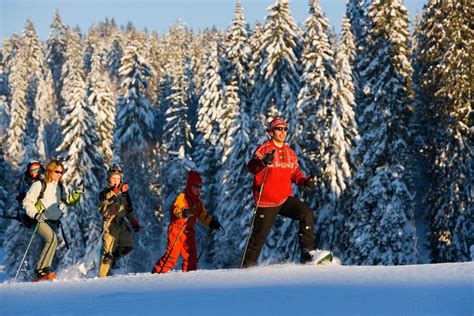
156 15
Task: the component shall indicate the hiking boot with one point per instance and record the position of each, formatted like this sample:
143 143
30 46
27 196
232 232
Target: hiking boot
44 275
315 256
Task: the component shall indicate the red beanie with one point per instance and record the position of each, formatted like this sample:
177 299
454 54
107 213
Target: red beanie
193 178
275 123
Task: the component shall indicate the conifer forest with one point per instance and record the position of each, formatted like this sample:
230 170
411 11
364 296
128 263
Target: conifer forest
381 114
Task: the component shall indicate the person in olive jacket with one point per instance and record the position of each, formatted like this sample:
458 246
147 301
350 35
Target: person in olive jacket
115 206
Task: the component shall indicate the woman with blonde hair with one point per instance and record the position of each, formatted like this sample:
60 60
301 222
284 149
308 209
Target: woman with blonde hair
42 203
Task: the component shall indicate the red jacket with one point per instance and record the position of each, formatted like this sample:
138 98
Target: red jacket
284 170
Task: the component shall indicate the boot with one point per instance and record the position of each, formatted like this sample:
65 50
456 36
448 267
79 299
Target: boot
44 275
315 256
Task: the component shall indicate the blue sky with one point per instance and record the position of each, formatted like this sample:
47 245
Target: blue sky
155 15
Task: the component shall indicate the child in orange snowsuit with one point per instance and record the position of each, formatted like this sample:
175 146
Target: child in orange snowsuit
187 209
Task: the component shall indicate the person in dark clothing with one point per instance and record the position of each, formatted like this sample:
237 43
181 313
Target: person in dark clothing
115 206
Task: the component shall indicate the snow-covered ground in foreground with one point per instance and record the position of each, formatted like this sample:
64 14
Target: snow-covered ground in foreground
441 289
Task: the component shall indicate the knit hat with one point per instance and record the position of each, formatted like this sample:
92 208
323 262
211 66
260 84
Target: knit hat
275 123
115 169
193 178
34 166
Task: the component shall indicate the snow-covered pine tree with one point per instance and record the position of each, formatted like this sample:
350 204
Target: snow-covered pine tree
115 53
256 56
209 115
101 98
177 105
380 228
24 76
178 134
18 112
82 158
89 43
322 138
9 49
356 11
45 114
234 209
278 78
237 54
134 145
445 102
152 54
343 137
56 53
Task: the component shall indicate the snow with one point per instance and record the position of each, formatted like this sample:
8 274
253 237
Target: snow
441 289
3 275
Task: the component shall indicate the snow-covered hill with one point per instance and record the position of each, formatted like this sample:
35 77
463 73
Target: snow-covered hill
442 289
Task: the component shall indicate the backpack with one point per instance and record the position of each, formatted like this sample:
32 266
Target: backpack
21 215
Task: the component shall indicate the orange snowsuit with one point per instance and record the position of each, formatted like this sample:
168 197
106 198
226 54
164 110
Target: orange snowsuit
181 236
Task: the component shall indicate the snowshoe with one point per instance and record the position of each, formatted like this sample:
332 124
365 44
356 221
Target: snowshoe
44 275
47 277
316 257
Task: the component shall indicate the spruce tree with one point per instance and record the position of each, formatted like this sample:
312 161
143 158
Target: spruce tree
56 53
317 145
278 78
380 228
133 136
209 114
237 53
23 79
45 114
101 97
357 13
446 120
82 159
234 209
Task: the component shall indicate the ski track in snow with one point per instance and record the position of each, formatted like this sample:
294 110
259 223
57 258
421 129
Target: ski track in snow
441 289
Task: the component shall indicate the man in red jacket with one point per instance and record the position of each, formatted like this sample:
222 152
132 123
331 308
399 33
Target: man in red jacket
275 166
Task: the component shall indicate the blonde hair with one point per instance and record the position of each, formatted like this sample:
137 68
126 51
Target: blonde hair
51 167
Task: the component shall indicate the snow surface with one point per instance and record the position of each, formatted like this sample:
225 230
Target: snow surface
436 289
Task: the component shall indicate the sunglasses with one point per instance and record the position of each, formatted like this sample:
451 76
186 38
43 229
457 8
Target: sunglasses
58 172
35 170
282 129
197 186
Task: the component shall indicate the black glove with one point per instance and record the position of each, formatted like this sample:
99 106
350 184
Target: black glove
186 213
214 224
268 158
309 182
40 218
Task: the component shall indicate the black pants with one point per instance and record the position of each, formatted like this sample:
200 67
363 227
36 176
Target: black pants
264 219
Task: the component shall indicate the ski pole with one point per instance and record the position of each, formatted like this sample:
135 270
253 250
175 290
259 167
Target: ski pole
26 252
254 214
174 243
206 243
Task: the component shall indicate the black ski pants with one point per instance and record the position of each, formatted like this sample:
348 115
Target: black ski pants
265 217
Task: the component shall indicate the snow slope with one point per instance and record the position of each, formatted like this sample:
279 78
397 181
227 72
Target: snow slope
442 289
